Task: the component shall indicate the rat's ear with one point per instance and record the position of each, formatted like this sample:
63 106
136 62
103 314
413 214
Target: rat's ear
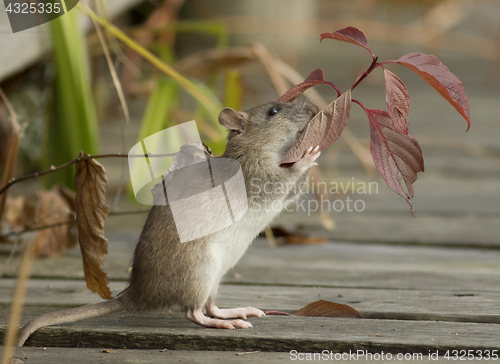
232 120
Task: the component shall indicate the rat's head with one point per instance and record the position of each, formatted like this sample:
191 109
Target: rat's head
270 129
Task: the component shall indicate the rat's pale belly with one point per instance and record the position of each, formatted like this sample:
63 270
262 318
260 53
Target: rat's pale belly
229 245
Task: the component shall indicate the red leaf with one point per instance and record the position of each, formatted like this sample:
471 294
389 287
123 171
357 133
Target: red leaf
324 308
315 78
349 35
398 101
323 129
397 156
438 76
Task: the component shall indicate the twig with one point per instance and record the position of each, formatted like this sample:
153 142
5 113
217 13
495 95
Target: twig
56 224
79 158
31 229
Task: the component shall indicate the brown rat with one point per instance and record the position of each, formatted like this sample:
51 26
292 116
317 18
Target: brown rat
169 274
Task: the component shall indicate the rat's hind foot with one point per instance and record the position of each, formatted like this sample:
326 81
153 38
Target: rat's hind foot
241 312
199 318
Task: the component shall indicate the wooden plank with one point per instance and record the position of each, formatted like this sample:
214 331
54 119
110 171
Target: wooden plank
372 266
468 231
270 333
121 356
52 355
435 193
330 264
452 305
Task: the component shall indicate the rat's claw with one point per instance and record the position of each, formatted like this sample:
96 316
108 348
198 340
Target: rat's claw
198 317
316 153
307 160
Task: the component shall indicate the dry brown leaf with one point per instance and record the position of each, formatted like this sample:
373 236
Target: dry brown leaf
284 236
91 212
44 209
324 308
18 213
54 208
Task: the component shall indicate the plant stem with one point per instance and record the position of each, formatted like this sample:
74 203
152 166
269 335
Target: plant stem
154 60
66 222
363 74
335 87
79 158
362 106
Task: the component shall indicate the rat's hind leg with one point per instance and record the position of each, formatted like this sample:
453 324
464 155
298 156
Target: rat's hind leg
198 317
241 312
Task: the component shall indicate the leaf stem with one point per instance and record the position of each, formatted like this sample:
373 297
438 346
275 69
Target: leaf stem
335 87
385 62
373 56
362 106
363 74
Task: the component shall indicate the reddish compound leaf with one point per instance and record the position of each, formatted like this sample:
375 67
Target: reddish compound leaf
323 129
397 156
438 76
398 101
324 308
315 78
350 35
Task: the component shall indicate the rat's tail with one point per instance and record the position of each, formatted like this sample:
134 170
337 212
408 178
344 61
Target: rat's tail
69 315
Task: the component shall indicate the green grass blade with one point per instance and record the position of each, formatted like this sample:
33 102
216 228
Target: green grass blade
73 123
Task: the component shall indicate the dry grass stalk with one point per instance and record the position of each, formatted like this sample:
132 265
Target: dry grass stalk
18 303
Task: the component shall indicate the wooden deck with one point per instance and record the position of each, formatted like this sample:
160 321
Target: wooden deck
426 285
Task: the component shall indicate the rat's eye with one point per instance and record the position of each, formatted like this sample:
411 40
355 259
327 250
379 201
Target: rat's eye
273 111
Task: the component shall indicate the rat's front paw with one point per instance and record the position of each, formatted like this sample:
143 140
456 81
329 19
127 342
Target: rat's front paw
308 159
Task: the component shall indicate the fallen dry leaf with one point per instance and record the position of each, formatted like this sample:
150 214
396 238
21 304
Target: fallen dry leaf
324 308
18 213
91 212
284 236
53 208
44 209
